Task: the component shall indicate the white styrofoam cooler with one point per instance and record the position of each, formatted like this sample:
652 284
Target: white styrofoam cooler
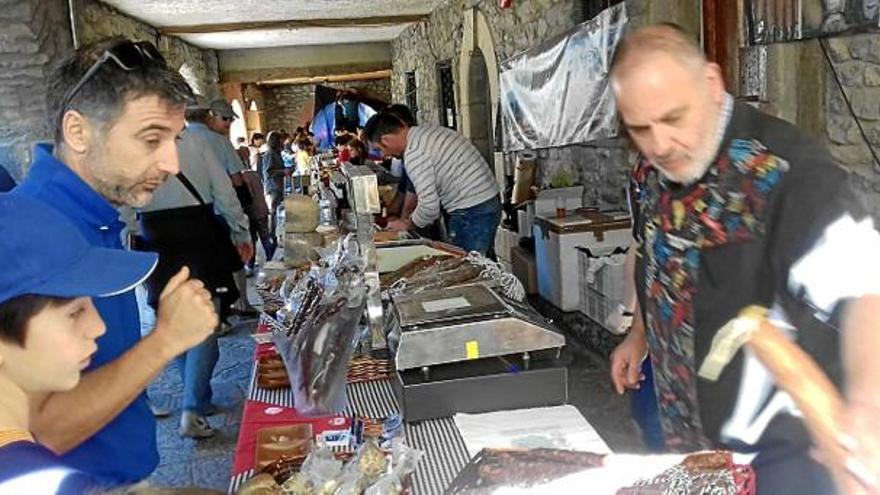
602 285
556 254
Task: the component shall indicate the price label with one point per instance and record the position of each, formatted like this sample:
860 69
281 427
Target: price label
472 349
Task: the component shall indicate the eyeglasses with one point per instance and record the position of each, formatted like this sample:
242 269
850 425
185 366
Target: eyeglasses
227 119
128 55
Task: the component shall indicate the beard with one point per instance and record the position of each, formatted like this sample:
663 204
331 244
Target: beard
689 175
116 187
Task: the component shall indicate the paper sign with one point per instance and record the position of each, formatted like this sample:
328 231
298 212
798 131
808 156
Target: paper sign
445 304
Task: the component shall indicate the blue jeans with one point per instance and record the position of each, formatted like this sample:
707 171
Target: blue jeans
196 367
473 229
645 411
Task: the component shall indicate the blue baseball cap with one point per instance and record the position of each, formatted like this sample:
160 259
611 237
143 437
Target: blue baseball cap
44 254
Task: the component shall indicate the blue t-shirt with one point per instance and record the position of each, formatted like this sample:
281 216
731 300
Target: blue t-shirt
28 468
124 451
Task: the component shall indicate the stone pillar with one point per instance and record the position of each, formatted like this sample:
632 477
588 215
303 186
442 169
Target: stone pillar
34 36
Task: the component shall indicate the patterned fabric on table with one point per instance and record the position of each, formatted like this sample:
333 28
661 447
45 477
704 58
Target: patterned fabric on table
726 206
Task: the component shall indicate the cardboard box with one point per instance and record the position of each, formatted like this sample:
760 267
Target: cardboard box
525 269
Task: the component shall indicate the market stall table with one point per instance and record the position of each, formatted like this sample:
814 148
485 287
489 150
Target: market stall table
445 451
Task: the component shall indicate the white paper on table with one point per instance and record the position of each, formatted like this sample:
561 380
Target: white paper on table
619 471
558 427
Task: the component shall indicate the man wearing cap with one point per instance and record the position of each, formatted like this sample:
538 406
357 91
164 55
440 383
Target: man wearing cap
181 223
118 110
214 130
49 326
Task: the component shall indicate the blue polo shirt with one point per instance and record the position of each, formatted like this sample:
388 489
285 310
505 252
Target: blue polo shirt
124 451
28 468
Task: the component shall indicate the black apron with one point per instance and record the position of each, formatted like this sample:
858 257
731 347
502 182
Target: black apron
190 236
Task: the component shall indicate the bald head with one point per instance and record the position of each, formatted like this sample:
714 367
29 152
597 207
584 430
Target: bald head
647 44
669 100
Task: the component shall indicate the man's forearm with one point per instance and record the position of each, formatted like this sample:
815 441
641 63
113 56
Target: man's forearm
861 344
64 420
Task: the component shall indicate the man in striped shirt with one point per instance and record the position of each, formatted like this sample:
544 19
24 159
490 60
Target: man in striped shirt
447 172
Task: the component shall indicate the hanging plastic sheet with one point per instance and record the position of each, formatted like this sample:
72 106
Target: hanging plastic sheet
559 93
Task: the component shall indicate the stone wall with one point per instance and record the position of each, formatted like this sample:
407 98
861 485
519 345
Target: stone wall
603 170
199 66
290 106
857 61
34 36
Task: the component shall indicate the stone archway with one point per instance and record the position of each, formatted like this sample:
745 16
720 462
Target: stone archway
478 88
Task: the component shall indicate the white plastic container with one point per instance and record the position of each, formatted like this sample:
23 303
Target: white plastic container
556 254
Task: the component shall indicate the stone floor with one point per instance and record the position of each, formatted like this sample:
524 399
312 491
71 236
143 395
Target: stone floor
207 463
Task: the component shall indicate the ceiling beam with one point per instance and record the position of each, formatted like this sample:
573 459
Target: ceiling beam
293 24
331 78
287 73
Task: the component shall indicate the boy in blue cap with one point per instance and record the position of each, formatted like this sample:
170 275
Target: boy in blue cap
48 328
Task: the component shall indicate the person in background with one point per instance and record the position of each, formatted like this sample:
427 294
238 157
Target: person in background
258 211
288 153
243 151
737 208
341 140
406 199
219 120
357 153
180 223
6 180
273 178
447 172
258 140
117 111
48 331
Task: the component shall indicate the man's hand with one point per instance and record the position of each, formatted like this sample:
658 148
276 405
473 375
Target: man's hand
399 224
245 251
186 313
626 361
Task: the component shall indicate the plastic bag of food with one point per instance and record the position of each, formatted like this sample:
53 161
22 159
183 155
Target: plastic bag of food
404 460
318 356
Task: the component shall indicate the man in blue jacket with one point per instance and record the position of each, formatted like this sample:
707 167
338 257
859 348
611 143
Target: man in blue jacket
117 110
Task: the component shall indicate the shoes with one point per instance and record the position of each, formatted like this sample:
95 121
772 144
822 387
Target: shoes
194 426
159 411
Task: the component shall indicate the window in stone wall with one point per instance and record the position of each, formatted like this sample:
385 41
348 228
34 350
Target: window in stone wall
410 94
592 8
448 115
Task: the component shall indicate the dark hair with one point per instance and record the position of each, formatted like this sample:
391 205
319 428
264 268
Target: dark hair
274 140
381 124
342 139
359 146
402 112
16 313
257 135
105 94
200 115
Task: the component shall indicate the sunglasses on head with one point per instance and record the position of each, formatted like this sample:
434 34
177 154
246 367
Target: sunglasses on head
127 55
